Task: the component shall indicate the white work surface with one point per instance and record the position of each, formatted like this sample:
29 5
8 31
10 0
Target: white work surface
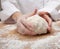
11 39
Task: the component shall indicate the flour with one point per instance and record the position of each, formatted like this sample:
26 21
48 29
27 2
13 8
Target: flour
51 42
7 28
56 26
12 44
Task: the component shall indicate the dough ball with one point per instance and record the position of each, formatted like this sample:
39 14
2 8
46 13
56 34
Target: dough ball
40 24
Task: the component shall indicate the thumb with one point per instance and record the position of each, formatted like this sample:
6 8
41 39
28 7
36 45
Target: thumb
49 29
33 13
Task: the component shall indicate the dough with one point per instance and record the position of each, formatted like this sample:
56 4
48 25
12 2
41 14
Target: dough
40 25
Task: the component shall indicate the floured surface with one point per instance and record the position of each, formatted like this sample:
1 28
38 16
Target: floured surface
10 39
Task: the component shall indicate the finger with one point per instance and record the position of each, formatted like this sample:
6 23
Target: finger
49 29
31 14
22 29
34 12
41 13
48 19
49 22
28 25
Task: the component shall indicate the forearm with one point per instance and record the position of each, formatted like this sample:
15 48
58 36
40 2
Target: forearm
9 12
13 18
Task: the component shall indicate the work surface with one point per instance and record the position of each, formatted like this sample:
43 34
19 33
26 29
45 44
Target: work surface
11 39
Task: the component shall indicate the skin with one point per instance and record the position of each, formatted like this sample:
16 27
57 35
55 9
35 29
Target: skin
27 28
47 17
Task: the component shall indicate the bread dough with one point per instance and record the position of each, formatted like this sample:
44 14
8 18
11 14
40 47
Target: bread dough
40 25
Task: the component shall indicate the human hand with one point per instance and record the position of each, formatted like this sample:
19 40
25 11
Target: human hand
46 16
24 27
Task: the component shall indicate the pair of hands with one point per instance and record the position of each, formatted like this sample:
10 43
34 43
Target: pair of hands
24 27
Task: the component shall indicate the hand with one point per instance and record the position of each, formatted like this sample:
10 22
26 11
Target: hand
24 27
46 15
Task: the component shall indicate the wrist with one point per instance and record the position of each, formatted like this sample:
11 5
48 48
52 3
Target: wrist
16 15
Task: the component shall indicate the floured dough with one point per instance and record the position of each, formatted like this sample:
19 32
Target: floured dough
40 25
